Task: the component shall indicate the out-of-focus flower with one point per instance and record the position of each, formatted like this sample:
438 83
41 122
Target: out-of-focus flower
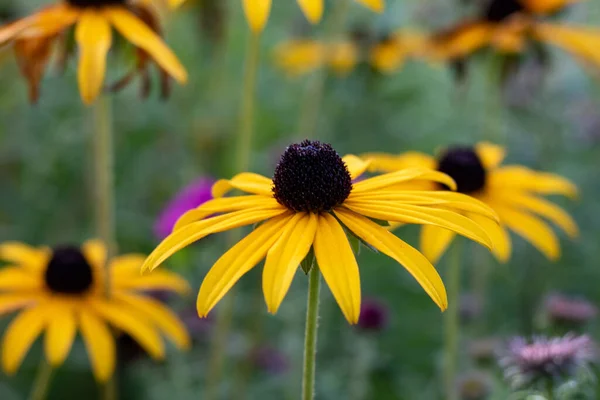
33 37
545 359
63 291
470 307
483 351
389 54
311 202
374 316
269 359
512 191
474 386
570 311
190 197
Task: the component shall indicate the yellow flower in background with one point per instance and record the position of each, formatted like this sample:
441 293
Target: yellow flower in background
512 191
302 56
62 291
510 25
257 11
389 54
33 37
312 203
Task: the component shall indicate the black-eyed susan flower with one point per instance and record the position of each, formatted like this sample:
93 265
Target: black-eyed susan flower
513 191
312 203
391 52
513 26
62 291
34 36
257 11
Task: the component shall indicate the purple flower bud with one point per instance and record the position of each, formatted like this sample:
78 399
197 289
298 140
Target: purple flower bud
567 310
374 315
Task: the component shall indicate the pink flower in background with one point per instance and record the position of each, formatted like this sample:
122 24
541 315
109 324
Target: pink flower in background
193 195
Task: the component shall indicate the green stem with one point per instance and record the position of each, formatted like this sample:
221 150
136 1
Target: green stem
313 97
310 334
41 385
104 194
452 325
243 152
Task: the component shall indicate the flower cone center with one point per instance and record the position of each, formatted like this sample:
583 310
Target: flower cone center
464 166
498 10
311 177
96 3
68 272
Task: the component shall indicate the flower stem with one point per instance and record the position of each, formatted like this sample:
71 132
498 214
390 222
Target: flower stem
452 326
41 385
310 334
243 152
104 194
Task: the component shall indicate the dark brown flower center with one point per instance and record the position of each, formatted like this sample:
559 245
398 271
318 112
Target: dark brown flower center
464 166
68 272
96 3
498 10
311 177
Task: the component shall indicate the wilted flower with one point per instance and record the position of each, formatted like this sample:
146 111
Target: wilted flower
474 386
374 315
567 310
192 196
546 359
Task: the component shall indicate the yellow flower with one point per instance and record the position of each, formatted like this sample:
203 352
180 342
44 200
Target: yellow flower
312 203
33 36
512 191
389 54
257 11
62 291
301 56
509 25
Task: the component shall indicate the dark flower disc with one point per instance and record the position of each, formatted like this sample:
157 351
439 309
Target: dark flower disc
311 177
68 272
498 10
96 3
464 166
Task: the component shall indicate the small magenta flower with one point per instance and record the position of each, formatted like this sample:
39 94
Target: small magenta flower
190 197
564 310
374 316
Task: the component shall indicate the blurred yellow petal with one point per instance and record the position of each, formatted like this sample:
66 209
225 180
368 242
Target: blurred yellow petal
23 255
99 343
94 38
338 265
60 333
342 57
384 162
175 3
46 22
522 178
257 13
285 256
491 155
299 56
246 182
157 280
312 9
20 335
127 265
238 260
532 230
134 325
461 41
13 279
406 175
356 166
95 252
546 6
140 35
583 42
374 5
434 242
500 238
13 301
411 259
160 315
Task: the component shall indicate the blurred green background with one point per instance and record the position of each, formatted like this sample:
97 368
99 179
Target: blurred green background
549 115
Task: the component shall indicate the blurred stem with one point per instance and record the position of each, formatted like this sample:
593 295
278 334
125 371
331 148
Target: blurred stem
493 122
313 95
104 194
41 385
243 151
310 334
452 323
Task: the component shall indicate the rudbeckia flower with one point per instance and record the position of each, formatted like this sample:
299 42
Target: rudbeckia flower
62 291
510 26
302 56
512 191
33 37
312 203
391 52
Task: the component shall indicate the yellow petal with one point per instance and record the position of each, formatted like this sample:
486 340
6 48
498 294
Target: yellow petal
158 280
20 335
338 266
342 56
127 265
175 3
500 238
197 230
160 315
434 241
299 56
405 175
95 252
522 178
312 9
246 182
257 13
491 155
60 333
99 343
14 279
226 204
532 230
238 260
140 35
135 325
384 162
414 262
356 166
47 22
11 302
285 256
423 216
461 40
25 256
544 7
583 42
94 38
374 5
388 56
